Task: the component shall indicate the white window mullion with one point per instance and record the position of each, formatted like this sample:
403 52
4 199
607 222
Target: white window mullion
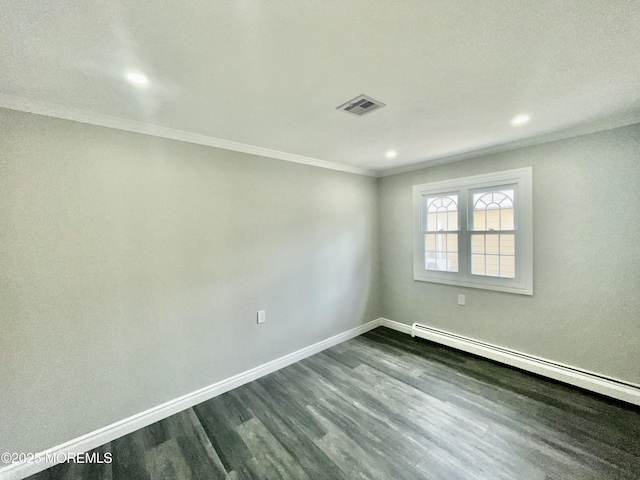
464 255
496 208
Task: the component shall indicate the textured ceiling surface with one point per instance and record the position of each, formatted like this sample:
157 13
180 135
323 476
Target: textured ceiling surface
270 74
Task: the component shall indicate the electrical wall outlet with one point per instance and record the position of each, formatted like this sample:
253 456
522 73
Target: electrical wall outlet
262 316
461 299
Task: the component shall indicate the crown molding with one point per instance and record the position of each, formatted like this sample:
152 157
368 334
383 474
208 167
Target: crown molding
571 132
23 104
67 113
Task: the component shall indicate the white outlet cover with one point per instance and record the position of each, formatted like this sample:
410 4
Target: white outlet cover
461 299
262 316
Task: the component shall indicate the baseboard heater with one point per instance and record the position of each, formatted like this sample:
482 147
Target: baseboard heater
594 382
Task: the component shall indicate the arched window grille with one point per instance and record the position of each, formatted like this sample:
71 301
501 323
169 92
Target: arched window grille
493 237
476 231
441 237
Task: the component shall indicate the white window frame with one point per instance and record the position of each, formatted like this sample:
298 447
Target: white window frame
521 180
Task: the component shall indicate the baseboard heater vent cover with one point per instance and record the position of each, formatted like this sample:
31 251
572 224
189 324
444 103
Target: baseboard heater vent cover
604 385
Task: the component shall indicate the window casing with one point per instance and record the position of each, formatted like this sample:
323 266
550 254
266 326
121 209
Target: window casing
476 231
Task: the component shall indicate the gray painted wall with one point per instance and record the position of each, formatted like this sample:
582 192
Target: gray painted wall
132 267
585 310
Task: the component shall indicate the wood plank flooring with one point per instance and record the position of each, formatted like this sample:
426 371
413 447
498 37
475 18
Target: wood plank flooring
384 406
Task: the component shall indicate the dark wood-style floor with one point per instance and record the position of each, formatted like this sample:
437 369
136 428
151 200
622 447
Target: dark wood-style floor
384 406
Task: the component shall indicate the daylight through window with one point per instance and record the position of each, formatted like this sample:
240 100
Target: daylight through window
476 231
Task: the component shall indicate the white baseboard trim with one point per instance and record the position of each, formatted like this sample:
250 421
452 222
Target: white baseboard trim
608 386
17 471
400 327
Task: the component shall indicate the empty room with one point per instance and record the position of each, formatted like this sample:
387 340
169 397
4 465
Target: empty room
245 239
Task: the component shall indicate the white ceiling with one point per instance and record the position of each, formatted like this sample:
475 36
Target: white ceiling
266 76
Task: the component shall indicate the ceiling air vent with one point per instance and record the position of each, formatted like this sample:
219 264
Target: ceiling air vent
361 105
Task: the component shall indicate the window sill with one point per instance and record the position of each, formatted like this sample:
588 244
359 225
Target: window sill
482 284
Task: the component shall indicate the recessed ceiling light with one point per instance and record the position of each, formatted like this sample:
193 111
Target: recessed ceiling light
520 119
137 78
392 154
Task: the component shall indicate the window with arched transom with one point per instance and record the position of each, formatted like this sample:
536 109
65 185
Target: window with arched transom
476 231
